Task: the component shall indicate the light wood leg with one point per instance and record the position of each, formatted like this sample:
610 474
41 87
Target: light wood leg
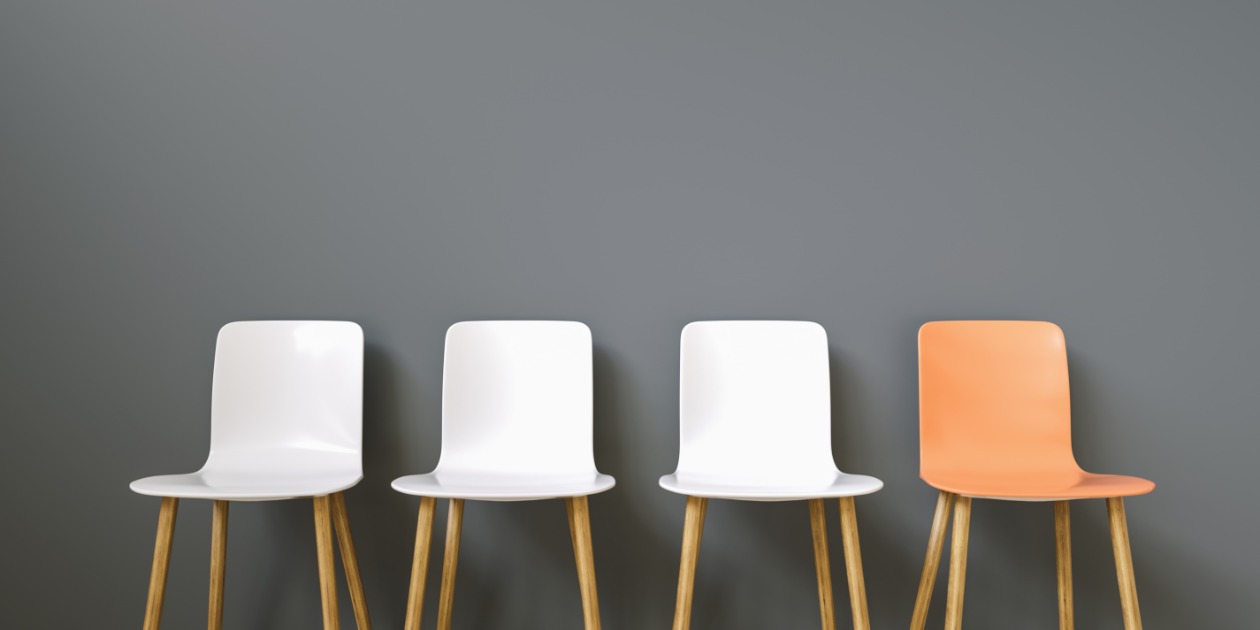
936 542
454 522
218 564
1063 551
693 528
161 563
853 564
1124 563
350 562
584 554
958 564
420 564
822 562
327 568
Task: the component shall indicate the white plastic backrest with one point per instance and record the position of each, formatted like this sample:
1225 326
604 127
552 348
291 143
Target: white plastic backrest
288 386
755 403
516 399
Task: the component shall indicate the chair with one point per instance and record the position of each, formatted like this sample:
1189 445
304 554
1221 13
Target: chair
285 422
995 423
516 426
755 425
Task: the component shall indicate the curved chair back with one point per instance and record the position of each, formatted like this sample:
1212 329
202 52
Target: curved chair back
755 403
287 386
993 396
517 399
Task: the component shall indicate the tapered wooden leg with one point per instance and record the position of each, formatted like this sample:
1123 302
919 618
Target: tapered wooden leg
1063 551
853 564
584 554
420 564
693 527
454 522
936 541
327 567
161 563
1124 563
958 564
822 563
218 564
350 562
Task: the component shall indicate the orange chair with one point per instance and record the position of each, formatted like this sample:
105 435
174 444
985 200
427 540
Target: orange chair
995 423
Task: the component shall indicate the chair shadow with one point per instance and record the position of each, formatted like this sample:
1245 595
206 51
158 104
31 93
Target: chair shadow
1018 538
382 521
782 534
484 591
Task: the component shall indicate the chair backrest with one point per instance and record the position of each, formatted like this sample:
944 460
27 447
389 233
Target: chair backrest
295 386
517 398
993 396
755 403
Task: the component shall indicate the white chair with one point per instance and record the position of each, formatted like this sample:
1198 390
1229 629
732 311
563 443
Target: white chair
755 425
286 415
516 426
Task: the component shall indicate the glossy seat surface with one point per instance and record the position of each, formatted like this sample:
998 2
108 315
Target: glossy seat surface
516 414
286 414
755 414
995 414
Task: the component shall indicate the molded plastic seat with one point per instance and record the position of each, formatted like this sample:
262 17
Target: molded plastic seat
286 414
755 414
516 414
995 414
843 486
502 486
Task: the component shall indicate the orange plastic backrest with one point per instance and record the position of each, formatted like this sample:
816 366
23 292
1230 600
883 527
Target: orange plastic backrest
993 398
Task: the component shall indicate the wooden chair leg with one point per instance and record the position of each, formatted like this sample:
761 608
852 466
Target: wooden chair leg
350 562
161 563
218 564
1063 552
327 568
584 554
1124 563
693 527
853 564
420 564
822 562
454 522
958 564
936 541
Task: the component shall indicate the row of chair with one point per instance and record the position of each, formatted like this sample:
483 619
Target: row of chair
754 419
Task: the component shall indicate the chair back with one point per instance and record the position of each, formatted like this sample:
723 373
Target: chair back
993 396
755 403
517 399
288 386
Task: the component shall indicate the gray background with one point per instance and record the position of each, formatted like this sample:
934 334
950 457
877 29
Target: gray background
169 166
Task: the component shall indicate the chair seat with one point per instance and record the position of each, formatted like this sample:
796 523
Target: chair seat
843 485
251 486
1037 485
501 486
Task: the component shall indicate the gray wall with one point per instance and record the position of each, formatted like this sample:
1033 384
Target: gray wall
169 166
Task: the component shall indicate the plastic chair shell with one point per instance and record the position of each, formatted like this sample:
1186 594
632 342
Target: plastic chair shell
517 411
286 414
755 414
995 414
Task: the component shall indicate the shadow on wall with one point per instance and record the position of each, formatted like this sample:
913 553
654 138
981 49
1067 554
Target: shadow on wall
396 427
889 565
400 429
614 516
1171 602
